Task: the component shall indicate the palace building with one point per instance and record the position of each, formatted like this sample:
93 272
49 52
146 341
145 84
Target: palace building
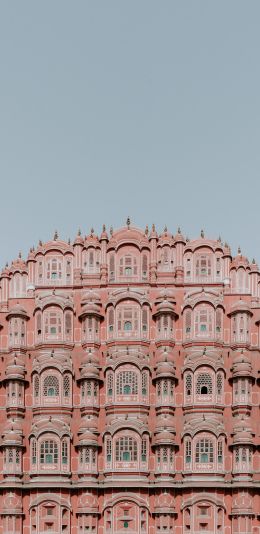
130 387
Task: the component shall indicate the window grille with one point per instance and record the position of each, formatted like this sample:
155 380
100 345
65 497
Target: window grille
36 386
188 452
165 455
126 449
188 321
66 386
109 450
204 451
34 451
144 265
68 323
110 384
10 455
111 319
127 383
144 383
64 452
204 384
144 450
219 384
49 452
144 319
188 384
51 386
17 456
220 452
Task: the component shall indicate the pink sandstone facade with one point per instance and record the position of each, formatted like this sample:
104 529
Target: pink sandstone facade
129 387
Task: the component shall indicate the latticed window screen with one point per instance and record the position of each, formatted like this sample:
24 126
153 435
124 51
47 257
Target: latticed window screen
203 265
126 449
51 386
144 319
68 323
10 455
144 450
188 384
188 452
109 450
110 384
188 321
127 383
17 456
219 384
34 451
66 386
49 452
144 383
36 386
64 452
111 319
220 452
144 265
218 320
204 451
204 384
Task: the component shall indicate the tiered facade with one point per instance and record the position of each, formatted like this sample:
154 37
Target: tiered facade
129 387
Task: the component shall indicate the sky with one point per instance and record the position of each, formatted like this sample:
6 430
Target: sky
113 108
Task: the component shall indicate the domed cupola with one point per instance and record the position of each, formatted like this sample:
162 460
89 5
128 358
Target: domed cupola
17 318
89 381
242 381
243 448
12 445
165 317
165 380
14 382
164 446
91 317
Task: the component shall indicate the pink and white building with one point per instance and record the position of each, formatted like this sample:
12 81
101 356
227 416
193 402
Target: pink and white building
130 387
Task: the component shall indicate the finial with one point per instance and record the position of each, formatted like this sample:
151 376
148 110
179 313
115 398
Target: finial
33 249
69 241
55 237
219 238
20 255
204 351
153 227
79 232
6 265
179 230
104 228
187 239
92 231
146 230
202 234
226 245
40 243
165 229
253 261
111 230
239 250
128 222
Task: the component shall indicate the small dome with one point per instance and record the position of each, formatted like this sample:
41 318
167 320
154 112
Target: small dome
242 366
17 311
240 306
165 368
15 368
164 437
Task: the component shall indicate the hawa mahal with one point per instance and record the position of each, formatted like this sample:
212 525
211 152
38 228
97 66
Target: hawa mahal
129 387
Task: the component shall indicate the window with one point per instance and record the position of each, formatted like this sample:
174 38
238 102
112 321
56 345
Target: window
127 383
204 451
203 266
188 452
126 449
66 386
64 452
110 382
36 386
144 450
188 385
144 383
49 452
204 384
109 450
50 386
127 325
33 451
220 452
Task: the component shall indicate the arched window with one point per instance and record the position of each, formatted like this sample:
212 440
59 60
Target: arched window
36 386
54 269
128 266
49 452
33 450
127 325
204 384
112 266
128 320
187 324
203 266
68 325
110 320
127 383
204 451
204 319
51 386
66 385
53 323
110 384
126 449
188 384
144 266
38 319
64 452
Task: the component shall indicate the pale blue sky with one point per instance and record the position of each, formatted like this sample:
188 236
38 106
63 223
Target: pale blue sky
142 108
